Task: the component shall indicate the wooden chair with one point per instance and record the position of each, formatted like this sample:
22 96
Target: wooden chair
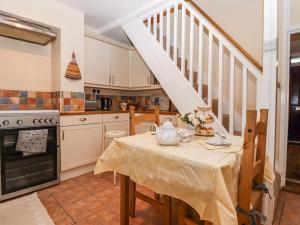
251 175
164 206
252 168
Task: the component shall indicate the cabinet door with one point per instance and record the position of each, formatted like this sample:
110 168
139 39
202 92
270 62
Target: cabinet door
80 145
139 71
96 62
119 66
123 126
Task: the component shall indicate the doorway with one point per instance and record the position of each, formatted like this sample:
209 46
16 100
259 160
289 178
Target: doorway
293 148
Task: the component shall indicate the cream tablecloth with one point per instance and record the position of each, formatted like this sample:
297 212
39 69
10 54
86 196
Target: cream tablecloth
205 179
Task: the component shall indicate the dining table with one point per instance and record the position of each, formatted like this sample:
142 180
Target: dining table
202 175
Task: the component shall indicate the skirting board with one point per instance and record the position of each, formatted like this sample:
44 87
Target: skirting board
68 174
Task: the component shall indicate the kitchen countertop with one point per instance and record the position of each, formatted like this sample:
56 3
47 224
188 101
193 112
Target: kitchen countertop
114 111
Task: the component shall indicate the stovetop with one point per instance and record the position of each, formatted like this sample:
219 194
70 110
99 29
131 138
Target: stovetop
28 118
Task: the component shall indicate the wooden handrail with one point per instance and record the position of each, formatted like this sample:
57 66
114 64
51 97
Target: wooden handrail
228 36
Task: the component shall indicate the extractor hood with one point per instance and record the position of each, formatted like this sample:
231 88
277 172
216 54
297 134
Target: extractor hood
22 30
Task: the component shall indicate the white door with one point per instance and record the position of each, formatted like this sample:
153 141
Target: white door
80 145
119 66
123 126
96 62
139 71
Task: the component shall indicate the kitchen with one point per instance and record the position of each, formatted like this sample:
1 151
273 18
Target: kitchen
89 134
36 94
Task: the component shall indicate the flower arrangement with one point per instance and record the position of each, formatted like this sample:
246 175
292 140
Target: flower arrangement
198 119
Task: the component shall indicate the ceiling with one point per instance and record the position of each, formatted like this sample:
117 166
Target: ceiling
100 14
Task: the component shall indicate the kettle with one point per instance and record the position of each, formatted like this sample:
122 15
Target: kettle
106 103
167 134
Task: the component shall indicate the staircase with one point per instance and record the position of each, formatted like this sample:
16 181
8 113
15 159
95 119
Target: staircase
197 64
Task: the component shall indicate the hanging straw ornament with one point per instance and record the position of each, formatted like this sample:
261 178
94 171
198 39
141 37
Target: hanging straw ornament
73 71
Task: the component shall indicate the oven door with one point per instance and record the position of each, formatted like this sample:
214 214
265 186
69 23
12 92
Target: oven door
21 171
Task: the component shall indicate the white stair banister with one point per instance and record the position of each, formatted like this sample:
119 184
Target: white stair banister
200 58
244 98
209 79
220 89
168 31
175 32
191 58
173 19
161 28
231 94
183 14
155 26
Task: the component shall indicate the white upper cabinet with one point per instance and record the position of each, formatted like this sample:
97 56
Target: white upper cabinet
112 66
119 66
96 62
139 71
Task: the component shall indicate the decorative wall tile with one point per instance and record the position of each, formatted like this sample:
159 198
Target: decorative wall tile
30 100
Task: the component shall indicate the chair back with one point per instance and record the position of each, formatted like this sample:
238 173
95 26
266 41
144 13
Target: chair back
252 164
135 120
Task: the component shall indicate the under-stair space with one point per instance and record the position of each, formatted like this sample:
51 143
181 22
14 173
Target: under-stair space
206 61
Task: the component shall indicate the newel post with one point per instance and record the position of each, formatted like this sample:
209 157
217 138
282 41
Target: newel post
267 87
267 90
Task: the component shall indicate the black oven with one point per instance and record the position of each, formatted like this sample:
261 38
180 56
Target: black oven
22 172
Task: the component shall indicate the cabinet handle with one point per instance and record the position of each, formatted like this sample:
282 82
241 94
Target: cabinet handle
116 117
104 128
109 79
63 135
113 77
83 119
148 80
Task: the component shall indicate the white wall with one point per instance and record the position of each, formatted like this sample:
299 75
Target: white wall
294 12
25 66
242 19
71 25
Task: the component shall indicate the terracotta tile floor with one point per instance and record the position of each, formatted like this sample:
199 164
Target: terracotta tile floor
92 200
288 209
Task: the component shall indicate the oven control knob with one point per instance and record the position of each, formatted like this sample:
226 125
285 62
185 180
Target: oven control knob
41 120
19 122
52 120
5 122
35 121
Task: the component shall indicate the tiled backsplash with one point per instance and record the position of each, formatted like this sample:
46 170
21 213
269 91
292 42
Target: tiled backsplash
31 100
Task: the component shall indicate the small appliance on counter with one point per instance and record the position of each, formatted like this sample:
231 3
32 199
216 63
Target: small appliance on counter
92 102
106 103
91 105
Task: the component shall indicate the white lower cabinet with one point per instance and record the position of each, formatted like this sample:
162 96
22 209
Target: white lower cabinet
81 142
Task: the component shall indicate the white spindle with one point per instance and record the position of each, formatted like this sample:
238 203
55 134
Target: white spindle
209 82
200 58
155 26
183 40
161 28
168 31
258 91
231 94
175 32
191 58
149 23
220 89
244 98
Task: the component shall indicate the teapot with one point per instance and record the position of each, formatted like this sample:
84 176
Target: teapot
167 134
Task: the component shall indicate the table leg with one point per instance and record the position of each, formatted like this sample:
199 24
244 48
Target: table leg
124 203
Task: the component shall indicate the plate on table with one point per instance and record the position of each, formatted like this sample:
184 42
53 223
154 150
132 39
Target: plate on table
218 142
